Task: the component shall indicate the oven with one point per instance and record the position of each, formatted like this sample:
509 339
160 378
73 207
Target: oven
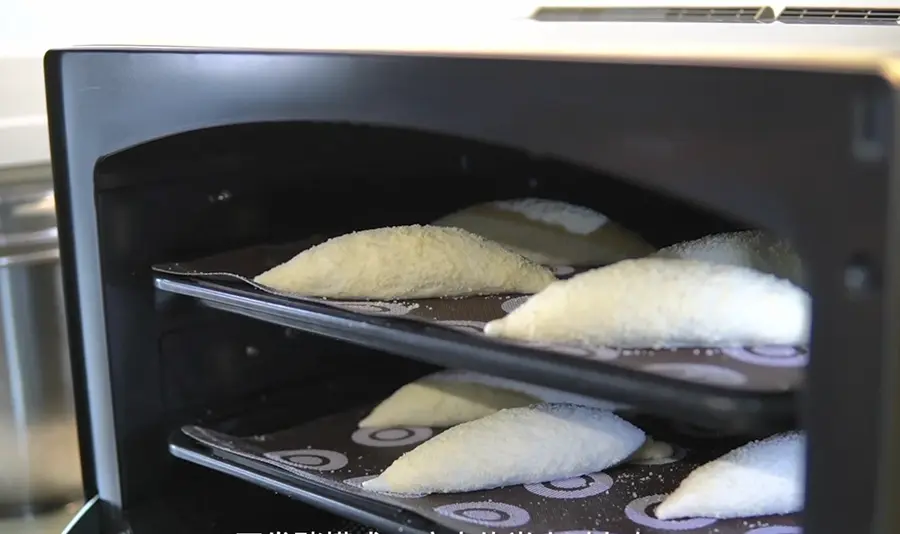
207 404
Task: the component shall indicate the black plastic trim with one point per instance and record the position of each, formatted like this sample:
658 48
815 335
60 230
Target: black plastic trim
65 232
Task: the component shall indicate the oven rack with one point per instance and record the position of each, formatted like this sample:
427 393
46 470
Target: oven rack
700 404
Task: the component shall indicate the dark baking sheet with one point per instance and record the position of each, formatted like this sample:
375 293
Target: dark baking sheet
772 369
334 452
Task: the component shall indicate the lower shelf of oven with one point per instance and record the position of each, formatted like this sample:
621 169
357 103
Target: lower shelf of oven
323 462
375 515
709 404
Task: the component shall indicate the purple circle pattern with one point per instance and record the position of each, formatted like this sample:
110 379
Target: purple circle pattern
637 511
769 355
573 488
391 437
486 513
314 459
510 305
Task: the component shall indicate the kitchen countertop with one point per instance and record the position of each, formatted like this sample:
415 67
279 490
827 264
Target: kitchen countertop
51 523
26 173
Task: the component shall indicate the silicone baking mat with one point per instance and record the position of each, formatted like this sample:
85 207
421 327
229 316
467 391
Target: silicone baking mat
621 500
769 369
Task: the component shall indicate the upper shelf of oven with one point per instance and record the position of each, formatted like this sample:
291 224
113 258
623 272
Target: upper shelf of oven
741 388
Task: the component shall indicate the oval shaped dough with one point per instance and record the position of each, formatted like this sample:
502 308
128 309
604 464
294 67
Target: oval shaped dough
653 450
406 262
448 398
754 249
657 302
761 478
551 232
528 445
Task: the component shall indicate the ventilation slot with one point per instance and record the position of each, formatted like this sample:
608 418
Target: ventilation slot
652 14
806 15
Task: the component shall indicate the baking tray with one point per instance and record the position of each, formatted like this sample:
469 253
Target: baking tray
732 386
332 456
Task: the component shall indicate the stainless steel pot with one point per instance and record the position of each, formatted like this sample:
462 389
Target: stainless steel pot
39 460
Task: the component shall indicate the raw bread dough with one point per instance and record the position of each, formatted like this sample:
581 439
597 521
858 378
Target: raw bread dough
406 262
448 398
527 445
761 478
751 248
656 302
551 232
429 402
653 450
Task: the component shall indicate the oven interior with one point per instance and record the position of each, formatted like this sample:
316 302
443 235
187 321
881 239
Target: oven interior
177 359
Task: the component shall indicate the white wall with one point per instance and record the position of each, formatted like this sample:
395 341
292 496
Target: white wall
23 124
30 27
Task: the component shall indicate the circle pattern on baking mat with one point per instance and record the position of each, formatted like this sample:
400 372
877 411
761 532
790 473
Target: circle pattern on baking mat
698 372
638 511
357 482
375 307
583 532
486 513
573 488
678 454
314 459
776 530
474 327
769 355
510 305
391 437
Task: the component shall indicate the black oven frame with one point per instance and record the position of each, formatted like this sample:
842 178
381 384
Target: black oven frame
810 153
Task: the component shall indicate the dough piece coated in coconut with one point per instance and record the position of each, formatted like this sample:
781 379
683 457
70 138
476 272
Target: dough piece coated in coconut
406 262
528 445
551 232
754 249
761 478
448 398
652 450
658 302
